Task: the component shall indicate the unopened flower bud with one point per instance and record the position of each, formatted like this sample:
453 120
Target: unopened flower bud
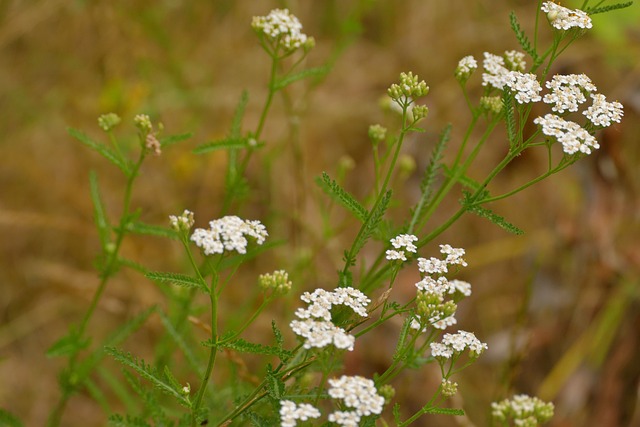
108 121
377 133
143 123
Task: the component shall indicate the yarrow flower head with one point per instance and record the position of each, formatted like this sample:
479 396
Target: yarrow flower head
501 71
228 234
108 121
466 67
525 86
571 135
402 243
357 393
514 60
182 223
454 344
602 113
525 411
282 30
315 324
568 91
290 413
564 19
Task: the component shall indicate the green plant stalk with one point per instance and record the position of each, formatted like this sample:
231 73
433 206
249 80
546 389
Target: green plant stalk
105 275
231 192
258 394
424 410
381 193
213 351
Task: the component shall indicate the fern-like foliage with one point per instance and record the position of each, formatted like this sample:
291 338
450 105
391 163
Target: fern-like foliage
489 214
151 404
309 72
370 225
244 346
430 173
342 196
522 38
101 149
608 8
117 420
177 279
510 116
149 373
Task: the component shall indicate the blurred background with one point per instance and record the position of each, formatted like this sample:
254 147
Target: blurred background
558 306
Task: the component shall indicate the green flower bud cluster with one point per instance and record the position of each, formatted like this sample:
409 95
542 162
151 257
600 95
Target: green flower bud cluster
278 281
491 104
431 305
448 388
143 123
409 87
108 121
377 133
524 410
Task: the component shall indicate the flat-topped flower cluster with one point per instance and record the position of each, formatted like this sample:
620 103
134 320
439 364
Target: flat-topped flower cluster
315 324
566 92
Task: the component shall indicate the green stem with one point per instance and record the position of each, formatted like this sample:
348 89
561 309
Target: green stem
213 352
107 272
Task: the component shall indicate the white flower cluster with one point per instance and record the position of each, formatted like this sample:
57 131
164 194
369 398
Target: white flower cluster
571 135
290 413
435 287
358 393
402 243
526 411
525 85
455 344
562 18
568 91
228 234
602 113
507 71
466 66
282 28
315 324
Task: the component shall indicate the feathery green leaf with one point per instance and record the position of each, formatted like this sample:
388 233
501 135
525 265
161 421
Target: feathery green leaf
177 279
102 149
608 8
139 227
522 38
99 214
342 196
174 139
310 72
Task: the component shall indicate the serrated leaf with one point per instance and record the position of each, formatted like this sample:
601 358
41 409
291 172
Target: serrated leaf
491 216
372 222
133 265
404 331
396 413
342 196
174 139
608 8
99 214
117 420
177 279
274 385
229 143
179 340
522 38
242 346
152 230
101 149
466 182
147 372
236 123
9 420
309 72
278 335
68 345
510 116
444 411
149 399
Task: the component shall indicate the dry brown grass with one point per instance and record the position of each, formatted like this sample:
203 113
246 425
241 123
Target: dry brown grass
558 306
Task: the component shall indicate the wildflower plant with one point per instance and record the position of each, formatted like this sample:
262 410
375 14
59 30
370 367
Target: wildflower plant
302 378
